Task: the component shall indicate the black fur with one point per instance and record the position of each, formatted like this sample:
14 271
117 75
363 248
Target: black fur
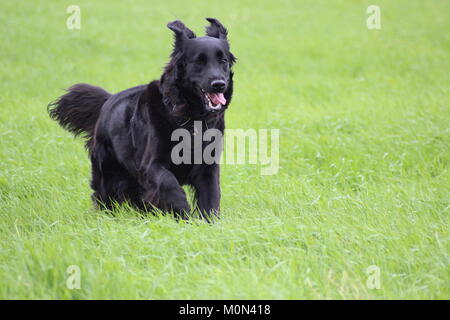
129 133
79 109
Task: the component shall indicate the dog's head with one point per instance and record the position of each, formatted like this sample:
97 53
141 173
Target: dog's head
198 79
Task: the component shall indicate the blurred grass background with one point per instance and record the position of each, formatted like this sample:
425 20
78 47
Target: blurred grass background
364 153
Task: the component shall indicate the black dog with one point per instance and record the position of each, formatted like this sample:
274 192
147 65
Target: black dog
129 133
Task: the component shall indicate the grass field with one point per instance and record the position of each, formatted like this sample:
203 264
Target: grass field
364 152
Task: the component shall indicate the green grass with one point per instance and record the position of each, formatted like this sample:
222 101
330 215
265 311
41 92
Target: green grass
364 152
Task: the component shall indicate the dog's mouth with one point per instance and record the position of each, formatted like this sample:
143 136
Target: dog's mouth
214 100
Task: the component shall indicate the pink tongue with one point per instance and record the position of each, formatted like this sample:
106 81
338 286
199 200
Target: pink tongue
217 98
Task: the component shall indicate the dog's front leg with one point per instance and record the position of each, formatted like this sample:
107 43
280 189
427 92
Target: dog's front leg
164 191
207 191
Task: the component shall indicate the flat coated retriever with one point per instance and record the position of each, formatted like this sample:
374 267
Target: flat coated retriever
129 133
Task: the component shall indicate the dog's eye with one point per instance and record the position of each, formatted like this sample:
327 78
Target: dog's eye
201 59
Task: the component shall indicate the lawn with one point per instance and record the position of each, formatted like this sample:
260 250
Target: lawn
363 182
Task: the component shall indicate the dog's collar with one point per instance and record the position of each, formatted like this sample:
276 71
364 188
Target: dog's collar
188 123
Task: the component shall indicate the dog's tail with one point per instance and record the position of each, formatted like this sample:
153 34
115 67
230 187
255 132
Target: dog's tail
79 109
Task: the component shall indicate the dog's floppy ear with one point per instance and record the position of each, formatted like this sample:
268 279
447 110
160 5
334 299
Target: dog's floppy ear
181 31
216 29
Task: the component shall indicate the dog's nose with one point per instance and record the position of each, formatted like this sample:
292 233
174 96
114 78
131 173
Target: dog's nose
218 85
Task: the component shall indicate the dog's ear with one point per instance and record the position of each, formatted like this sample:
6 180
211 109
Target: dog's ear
216 29
181 31
232 59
